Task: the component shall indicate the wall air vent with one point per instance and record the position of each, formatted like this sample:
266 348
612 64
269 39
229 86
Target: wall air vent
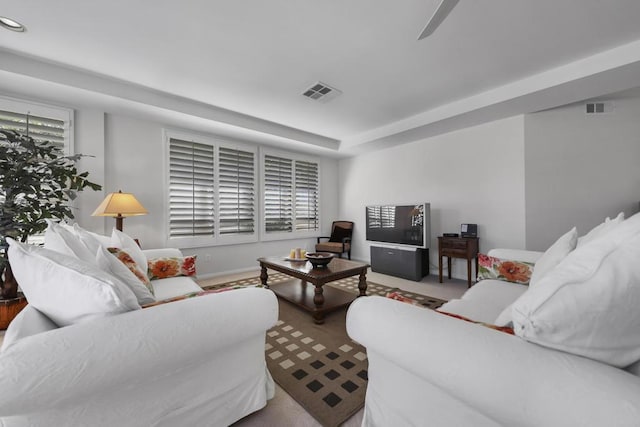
599 107
321 92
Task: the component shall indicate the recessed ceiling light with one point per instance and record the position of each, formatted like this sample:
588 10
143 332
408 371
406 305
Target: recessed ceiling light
12 25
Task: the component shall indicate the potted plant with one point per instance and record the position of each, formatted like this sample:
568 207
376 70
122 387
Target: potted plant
37 181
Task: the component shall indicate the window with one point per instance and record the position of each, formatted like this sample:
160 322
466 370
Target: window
306 196
211 196
191 185
237 200
42 123
278 183
291 194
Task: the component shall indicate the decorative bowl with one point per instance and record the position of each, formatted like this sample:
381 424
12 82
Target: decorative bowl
319 259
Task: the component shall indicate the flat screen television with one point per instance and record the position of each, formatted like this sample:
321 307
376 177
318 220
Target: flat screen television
399 224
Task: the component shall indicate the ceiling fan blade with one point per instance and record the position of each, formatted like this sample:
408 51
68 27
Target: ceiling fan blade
438 16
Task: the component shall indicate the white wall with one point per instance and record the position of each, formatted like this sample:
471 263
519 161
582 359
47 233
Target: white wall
134 151
580 168
89 140
128 155
475 175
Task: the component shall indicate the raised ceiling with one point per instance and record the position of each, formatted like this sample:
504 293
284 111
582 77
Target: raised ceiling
243 65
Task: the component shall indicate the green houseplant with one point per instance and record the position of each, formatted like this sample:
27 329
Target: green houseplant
37 181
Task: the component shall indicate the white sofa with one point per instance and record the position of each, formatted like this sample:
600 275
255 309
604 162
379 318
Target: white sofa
193 362
427 368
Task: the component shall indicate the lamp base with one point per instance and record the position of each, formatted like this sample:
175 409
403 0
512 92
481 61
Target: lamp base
119 222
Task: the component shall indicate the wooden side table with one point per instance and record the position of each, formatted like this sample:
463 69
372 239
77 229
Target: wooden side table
10 309
458 247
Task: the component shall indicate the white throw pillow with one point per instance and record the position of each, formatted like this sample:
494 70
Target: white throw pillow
601 229
505 317
123 241
114 266
75 229
552 256
89 240
60 239
588 304
66 289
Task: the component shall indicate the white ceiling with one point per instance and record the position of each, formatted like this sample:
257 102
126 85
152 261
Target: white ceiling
242 65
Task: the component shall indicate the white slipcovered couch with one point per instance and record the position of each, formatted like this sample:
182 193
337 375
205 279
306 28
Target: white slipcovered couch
192 362
572 360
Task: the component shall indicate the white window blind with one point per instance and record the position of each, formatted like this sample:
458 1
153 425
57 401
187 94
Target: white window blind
236 191
41 129
278 199
306 196
291 194
191 189
40 122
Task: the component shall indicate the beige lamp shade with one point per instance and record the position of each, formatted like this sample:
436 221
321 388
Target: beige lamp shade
120 205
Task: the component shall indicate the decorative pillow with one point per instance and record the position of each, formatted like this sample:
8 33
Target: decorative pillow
66 289
339 233
123 241
501 269
552 256
91 240
59 239
505 318
601 229
120 264
588 304
161 268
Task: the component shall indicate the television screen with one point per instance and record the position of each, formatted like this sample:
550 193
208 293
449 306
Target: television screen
400 224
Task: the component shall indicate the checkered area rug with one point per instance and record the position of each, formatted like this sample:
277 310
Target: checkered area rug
319 365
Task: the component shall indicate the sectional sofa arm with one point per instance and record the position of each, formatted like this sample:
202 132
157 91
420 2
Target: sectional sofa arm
501 376
162 253
55 368
515 254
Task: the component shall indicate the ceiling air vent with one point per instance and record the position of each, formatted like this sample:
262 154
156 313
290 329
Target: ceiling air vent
321 92
599 107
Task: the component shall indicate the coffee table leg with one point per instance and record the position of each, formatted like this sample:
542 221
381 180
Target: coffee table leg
318 301
362 283
264 276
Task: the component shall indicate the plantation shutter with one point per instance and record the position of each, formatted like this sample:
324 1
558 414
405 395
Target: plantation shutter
191 189
39 128
306 196
278 186
236 191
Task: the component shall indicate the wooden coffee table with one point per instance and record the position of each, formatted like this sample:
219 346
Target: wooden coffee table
306 289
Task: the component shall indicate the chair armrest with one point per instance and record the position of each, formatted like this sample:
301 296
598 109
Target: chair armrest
323 237
510 380
56 368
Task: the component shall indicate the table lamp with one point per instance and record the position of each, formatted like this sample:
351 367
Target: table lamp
120 205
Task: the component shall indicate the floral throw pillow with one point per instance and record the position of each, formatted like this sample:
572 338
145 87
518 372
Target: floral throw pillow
128 261
161 268
502 269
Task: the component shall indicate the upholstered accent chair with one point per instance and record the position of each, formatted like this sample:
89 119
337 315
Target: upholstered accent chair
340 240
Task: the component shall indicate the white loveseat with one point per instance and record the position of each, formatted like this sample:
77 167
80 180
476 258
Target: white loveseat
427 368
192 362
